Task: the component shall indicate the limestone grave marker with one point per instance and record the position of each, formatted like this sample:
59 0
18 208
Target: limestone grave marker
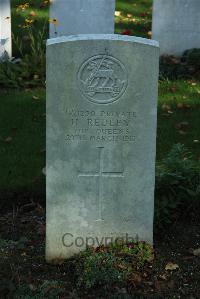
101 141
5 29
81 17
176 25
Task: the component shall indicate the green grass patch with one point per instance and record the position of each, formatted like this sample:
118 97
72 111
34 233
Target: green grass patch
178 116
135 16
22 139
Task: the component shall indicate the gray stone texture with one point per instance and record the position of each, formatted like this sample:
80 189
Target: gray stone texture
82 17
5 29
176 25
101 140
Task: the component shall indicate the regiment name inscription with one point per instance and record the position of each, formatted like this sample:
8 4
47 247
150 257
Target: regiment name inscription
108 126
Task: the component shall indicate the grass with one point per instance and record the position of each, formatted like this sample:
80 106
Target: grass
22 139
135 16
179 122
22 123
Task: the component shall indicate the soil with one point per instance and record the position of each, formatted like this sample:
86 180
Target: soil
22 262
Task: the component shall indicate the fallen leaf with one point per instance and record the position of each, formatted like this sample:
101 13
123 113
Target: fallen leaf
122 267
35 77
35 98
171 267
163 276
44 170
173 89
196 252
180 105
133 20
117 13
32 287
181 132
32 13
8 139
149 33
143 14
166 107
126 32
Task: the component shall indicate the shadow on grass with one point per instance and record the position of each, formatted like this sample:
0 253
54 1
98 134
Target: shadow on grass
22 151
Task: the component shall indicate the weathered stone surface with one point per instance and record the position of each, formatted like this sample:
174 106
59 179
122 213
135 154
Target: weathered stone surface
176 25
82 17
101 140
5 29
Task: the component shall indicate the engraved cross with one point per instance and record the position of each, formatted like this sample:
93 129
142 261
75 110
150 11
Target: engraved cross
99 174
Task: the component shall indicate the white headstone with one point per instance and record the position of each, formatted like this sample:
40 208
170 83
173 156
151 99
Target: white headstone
176 25
5 29
101 140
81 17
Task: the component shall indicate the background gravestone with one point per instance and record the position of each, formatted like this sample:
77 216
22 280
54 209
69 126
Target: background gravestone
101 140
176 25
5 29
82 16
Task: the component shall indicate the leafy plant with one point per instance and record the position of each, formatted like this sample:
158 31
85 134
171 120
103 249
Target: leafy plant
185 67
29 70
114 264
177 184
98 269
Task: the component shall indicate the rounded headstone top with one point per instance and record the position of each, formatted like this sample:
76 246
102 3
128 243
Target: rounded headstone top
111 37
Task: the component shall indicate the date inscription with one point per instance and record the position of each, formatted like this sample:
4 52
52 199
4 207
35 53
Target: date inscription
100 126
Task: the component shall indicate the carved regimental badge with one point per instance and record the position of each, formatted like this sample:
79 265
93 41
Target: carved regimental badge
102 79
